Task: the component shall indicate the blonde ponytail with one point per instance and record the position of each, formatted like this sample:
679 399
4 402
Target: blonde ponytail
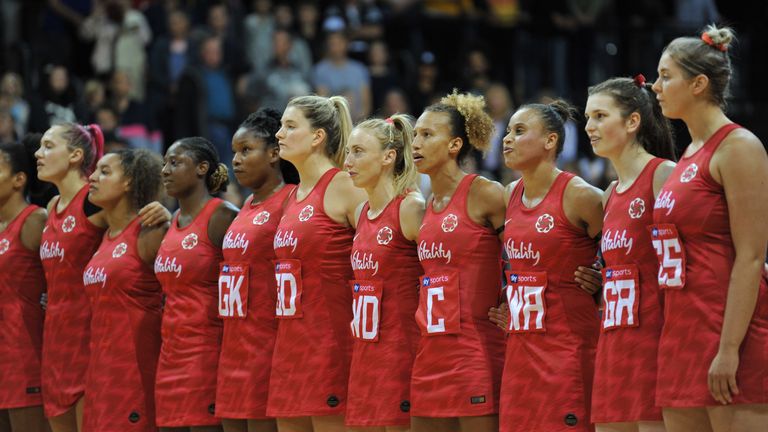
396 133
345 129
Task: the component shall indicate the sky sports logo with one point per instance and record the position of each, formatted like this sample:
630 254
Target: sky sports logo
364 288
227 268
433 280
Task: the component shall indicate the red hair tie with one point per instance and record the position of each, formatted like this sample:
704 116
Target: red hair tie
708 40
639 80
98 143
389 120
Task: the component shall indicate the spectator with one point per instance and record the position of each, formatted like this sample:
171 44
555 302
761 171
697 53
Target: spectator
121 35
282 80
106 118
300 54
57 102
383 78
424 89
395 102
7 127
132 115
220 26
206 100
340 75
477 72
500 108
309 27
11 92
259 27
363 22
94 96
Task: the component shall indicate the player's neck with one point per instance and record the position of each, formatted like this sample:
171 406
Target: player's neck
539 180
703 121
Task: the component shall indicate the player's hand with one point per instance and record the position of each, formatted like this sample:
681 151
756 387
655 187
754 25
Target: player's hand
722 376
500 315
589 279
154 214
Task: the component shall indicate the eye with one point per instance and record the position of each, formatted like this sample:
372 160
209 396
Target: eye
244 151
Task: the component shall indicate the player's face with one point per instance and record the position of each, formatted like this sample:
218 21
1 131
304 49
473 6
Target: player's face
180 172
252 162
296 137
433 144
606 128
8 184
672 88
526 141
54 157
366 161
108 184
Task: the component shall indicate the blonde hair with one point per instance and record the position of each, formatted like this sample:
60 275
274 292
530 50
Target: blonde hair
396 133
469 120
333 116
697 56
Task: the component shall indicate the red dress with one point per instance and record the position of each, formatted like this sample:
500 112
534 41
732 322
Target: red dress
457 371
625 369
554 324
187 267
310 367
21 318
384 300
249 337
68 242
125 337
694 274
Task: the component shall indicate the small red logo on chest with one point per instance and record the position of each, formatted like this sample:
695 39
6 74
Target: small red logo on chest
4 246
689 173
384 235
190 241
69 224
636 208
261 218
306 213
119 250
545 223
450 223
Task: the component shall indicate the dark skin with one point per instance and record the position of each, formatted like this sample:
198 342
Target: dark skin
257 167
12 203
185 180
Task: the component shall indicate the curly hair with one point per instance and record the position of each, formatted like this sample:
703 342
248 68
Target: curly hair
469 120
143 168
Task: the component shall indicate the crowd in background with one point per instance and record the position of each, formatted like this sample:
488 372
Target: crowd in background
152 71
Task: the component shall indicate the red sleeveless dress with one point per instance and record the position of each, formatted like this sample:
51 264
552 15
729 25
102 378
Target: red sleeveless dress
21 317
247 306
457 371
125 337
693 235
310 367
187 267
554 324
384 300
625 369
68 243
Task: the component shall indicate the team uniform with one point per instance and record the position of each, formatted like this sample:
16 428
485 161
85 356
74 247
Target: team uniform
68 242
21 318
125 336
310 366
692 238
187 267
457 370
553 323
625 368
384 301
247 298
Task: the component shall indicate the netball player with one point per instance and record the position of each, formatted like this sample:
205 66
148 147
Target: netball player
625 125
553 219
310 366
457 370
386 265
125 296
67 155
247 283
710 236
22 282
187 266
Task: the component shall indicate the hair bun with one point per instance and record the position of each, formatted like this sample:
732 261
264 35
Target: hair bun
719 38
219 179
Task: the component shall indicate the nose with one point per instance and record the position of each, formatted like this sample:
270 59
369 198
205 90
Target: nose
589 126
348 161
236 158
94 175
166 170
656 87
280 133
508 139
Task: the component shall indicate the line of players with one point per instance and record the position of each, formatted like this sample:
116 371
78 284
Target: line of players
257 332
